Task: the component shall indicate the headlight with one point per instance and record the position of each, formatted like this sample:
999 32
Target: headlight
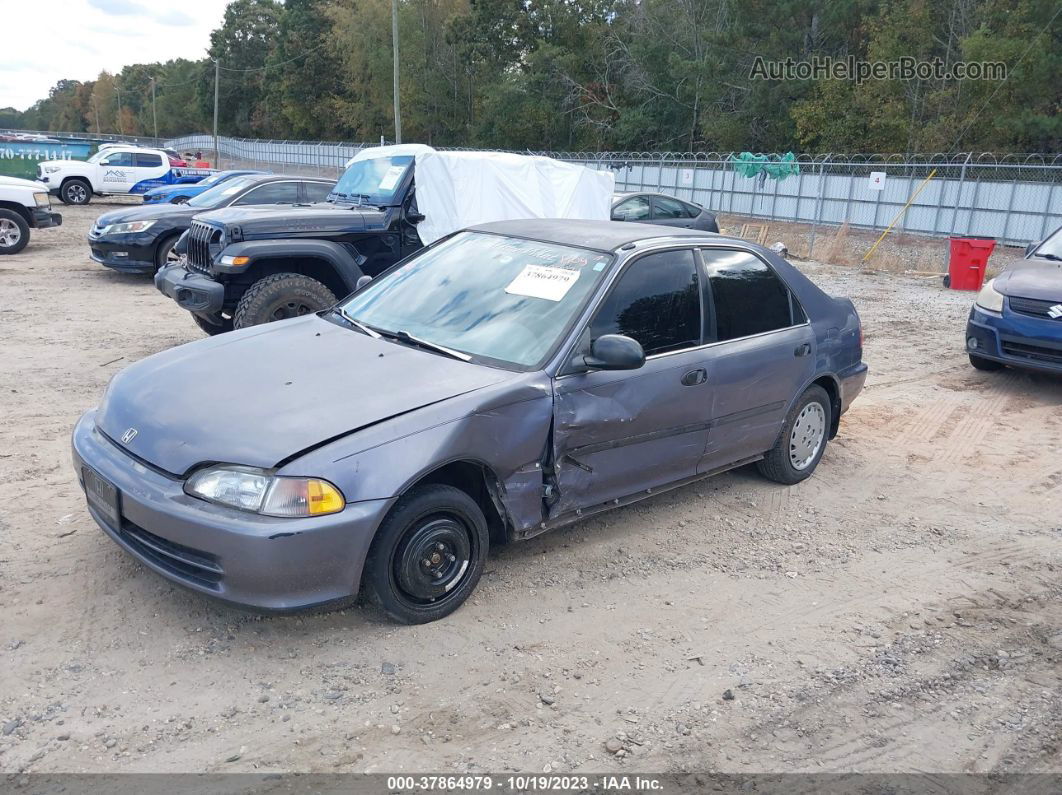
127 229
51 169
41 199
255 490
990 299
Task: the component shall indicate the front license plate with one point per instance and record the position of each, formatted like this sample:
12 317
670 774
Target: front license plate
103 496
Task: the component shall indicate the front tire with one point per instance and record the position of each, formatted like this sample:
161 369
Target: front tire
164 253
279 297
988 365
75 191
803 439
427 556
14 232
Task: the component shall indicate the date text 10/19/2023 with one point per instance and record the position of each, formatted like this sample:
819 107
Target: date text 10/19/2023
524 783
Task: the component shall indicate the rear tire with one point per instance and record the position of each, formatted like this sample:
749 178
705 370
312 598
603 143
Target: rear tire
279 297
75 191
14 232
988 365
427 556
802 441
210 328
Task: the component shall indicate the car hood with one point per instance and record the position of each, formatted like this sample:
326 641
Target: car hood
1043 282
300 219
263 395
15 182
149 212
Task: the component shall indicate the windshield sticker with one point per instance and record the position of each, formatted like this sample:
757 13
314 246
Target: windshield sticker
390 179
539 281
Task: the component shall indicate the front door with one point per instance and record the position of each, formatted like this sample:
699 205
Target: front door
618 433
119 175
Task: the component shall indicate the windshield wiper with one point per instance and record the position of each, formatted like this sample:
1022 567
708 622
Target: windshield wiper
1053 257
409 339
358 324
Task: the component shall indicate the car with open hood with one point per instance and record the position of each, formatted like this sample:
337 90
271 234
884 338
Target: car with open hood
1016 319
141 239
507 380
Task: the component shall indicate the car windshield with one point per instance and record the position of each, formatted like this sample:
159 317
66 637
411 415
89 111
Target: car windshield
100 155
372 181
219 194
505 299
213 179
1051 248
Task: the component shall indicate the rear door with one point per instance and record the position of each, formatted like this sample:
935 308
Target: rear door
617 433
762 352
150 170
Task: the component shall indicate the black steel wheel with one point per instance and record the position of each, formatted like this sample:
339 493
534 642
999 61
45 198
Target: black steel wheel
427 556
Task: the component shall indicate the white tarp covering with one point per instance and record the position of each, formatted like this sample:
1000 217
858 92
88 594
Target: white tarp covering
459 189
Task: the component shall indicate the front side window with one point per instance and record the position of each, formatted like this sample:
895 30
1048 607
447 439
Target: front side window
748 298
316 191
218 195
635 208
656 301
505 299
119 159
273 193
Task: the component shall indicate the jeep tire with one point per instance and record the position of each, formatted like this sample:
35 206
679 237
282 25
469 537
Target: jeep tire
210 328
14 232
75 191
281 296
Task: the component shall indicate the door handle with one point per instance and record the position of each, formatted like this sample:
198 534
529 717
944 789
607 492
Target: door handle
803 350
695 377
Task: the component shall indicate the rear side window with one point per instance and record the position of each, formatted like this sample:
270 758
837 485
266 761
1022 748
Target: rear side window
273 193
668 208
316 191
656 301
748 297
148 161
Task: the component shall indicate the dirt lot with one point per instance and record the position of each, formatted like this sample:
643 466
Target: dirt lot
900 611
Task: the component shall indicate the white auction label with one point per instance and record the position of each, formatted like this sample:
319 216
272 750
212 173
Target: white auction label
542 281
390 179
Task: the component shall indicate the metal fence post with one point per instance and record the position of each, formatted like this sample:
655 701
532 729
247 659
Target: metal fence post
958 196
818 205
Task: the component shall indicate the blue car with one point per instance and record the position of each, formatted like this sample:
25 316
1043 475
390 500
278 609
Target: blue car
183 191
1017 317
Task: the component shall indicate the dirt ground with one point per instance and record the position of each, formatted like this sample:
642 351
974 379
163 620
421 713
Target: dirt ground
899 611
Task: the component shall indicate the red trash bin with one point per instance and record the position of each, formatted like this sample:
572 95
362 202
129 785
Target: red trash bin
968 261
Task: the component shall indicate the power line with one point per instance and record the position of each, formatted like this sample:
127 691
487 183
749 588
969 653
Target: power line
274 65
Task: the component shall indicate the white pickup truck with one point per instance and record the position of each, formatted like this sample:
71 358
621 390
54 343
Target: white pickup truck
24 205
113 170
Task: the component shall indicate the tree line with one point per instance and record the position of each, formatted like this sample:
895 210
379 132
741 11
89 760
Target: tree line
596 74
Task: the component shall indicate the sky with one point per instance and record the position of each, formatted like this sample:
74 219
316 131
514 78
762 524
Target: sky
46 41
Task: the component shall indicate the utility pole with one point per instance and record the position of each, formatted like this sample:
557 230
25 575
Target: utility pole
394 40
118 91
217 82
154 117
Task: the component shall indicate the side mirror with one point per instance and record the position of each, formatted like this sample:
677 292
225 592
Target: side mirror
618 217
105 162
362 281
1029 249
615 352
415 218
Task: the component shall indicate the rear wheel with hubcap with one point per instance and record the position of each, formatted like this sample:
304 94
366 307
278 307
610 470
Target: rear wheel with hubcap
14 232
803 439
279 297
427 556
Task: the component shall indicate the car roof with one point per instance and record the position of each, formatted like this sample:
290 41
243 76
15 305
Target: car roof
600 235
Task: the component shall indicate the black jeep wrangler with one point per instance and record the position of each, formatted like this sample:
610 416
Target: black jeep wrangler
248 265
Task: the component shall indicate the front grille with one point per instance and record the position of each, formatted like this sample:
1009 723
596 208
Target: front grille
1032 353
184 563
204 241
1034 307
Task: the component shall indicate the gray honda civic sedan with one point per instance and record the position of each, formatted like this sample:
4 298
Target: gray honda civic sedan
509 379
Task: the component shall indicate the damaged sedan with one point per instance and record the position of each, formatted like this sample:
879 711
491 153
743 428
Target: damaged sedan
508 379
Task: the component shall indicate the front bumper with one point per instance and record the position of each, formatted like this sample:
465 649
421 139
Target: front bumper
250 560
1020 341
194 291
130 253
42 218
